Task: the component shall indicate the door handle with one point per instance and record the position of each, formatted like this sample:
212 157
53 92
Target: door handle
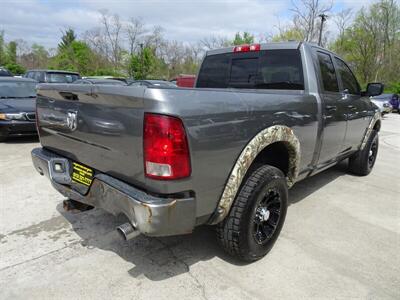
331 107
351 107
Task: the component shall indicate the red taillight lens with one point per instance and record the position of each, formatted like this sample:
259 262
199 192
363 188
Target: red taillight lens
247 48
165 147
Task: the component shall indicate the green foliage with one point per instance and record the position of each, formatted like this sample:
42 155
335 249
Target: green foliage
393 87
67 39
12 52
15 68
372 43
143 64
245 38
290 34
2 52
76 57
105 72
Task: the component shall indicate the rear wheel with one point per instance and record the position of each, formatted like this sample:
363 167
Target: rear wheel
362 162
257 215
3 138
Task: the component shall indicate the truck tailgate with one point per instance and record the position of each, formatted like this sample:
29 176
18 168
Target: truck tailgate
88 125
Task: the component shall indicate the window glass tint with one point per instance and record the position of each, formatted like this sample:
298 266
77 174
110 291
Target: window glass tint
281 69
267 69
327 72
61 77
214 71
348 79
244 70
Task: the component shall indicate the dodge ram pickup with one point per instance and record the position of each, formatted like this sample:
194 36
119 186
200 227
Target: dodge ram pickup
260 118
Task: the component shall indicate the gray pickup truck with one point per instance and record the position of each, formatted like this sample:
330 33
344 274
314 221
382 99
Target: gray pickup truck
261 118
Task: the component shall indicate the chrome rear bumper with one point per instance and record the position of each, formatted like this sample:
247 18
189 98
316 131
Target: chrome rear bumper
153 216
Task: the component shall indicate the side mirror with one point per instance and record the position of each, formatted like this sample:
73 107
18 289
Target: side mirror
374 89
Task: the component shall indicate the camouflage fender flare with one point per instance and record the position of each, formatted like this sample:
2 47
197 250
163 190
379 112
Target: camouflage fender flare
276 133
375 118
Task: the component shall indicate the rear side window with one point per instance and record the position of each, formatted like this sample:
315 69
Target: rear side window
349 81
215 71
328 74
266 69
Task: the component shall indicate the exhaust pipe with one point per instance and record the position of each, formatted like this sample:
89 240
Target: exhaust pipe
128 231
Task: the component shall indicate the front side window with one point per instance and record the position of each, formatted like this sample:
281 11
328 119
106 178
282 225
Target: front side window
328 74
349 81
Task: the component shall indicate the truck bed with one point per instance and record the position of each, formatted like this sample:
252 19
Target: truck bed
218 123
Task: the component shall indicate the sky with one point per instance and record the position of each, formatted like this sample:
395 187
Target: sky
42 21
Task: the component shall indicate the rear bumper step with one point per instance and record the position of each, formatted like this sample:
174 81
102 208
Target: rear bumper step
150 215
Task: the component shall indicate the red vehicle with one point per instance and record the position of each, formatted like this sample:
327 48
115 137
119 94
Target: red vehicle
184 80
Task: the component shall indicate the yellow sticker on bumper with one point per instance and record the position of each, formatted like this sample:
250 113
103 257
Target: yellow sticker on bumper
82 174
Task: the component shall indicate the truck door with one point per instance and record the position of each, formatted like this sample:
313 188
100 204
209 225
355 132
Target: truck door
333 110
357 106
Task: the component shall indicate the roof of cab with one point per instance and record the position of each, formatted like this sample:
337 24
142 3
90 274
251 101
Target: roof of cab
263 46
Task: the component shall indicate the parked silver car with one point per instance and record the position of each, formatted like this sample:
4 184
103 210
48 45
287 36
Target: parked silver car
383 104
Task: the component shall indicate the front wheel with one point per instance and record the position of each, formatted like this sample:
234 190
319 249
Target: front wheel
257 215
362 162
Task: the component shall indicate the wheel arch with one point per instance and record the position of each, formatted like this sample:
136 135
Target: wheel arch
374 124
276 145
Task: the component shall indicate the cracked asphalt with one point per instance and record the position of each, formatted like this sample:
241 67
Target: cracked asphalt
341 240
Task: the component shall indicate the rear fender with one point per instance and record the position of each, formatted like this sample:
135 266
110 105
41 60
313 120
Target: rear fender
268 136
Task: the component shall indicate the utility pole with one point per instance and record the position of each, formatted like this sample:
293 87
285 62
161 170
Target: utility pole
323 19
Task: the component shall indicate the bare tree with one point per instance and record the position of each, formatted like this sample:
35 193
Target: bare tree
213 42
112 31
306 17
342 20
134 30
155 39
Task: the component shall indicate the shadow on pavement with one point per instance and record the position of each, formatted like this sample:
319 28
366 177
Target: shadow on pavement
22 140
309 185
162 258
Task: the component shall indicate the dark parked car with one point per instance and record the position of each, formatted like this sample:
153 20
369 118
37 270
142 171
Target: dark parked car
4 72
17 107
261 118
99 81
153 83
52 76
395 102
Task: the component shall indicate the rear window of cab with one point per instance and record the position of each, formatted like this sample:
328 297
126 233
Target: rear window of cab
266 69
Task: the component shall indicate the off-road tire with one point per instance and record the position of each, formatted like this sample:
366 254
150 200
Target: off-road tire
362 162
236 232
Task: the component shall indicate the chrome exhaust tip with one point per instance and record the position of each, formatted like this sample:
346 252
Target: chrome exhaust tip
128 231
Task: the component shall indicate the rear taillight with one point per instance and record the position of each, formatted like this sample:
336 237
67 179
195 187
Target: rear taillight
165 147
247 48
